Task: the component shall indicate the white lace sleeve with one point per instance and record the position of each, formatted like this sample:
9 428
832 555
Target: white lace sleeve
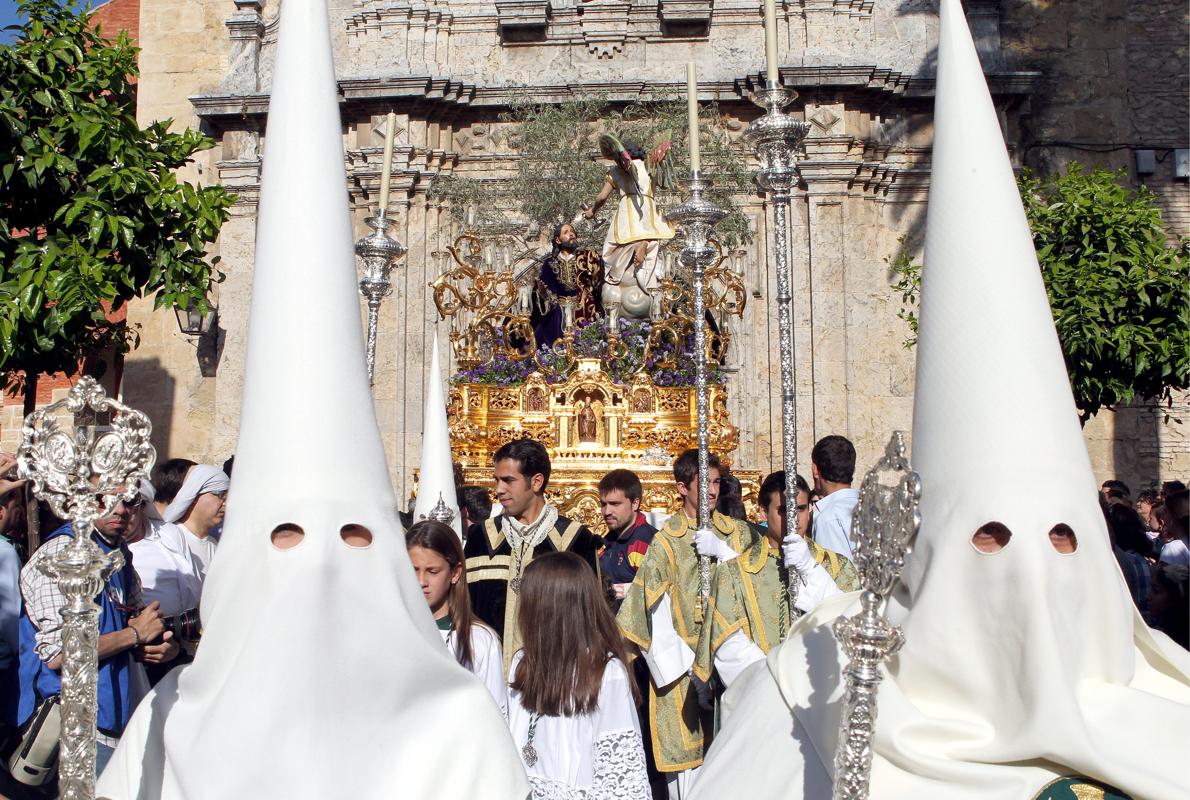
620 767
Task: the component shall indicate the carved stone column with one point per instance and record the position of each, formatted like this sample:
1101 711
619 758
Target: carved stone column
245 28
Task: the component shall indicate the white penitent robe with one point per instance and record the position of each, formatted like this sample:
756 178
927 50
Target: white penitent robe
487 662
765 732
597 756
784 713
320 675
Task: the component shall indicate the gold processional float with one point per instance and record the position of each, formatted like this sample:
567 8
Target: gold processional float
597 400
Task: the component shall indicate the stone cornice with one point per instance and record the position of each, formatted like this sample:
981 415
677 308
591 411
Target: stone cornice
230 111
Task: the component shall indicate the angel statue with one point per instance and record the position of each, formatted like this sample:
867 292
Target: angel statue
636 231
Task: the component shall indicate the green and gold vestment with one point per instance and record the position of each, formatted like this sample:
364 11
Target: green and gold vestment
749 594
678 727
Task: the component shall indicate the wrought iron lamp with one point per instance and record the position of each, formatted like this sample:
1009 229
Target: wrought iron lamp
193 321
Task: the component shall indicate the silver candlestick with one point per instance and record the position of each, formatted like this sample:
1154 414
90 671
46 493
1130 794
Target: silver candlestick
82 475
776 137
378 251
884 523
697 217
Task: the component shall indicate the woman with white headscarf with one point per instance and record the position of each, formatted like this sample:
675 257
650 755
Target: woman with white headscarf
198 511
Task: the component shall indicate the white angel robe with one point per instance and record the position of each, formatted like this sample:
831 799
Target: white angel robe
597 756
487 662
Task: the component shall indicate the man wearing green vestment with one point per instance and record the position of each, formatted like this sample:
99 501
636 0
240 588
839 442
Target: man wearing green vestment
750 610
663 615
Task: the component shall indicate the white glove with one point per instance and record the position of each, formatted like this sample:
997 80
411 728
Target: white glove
797 554
708 544
620 589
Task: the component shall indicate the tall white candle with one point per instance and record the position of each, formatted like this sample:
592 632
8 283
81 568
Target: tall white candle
692 113
770 40
386 171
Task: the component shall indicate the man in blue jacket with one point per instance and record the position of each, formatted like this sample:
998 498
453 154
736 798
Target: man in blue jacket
128 632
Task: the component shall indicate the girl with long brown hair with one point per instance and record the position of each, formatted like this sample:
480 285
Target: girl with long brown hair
571 701
437 557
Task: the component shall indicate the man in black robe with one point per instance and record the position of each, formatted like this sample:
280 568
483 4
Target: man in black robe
499 549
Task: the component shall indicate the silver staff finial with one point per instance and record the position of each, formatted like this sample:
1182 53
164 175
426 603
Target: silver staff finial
441 512
777 136
378 251
697 217
883 526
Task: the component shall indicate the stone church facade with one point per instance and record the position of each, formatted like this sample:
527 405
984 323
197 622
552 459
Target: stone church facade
1088 82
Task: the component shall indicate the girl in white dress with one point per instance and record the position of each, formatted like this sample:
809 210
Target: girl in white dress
571 701
437 557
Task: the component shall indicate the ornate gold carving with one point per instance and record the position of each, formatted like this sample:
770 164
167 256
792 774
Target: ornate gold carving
675 399
643 441
505 401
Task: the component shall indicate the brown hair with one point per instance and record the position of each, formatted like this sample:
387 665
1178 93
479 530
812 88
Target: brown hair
686 466
441 538
568 634
623 479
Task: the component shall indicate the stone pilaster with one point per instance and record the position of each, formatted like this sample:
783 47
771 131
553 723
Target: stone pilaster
245 29
827 172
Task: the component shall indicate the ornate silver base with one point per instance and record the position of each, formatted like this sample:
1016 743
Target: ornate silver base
82 475
886 520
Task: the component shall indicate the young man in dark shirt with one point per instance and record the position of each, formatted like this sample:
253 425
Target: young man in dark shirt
628 532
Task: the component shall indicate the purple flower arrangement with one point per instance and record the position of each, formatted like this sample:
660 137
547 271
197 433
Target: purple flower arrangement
591 342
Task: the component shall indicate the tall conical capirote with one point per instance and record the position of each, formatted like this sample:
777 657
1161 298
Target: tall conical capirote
1025 665
320 673
436 477
1026 656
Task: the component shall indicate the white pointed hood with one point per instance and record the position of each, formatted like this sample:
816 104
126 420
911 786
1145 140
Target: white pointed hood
436 476
1025 665
320 672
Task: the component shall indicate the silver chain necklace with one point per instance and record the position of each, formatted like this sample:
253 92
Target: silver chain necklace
521 542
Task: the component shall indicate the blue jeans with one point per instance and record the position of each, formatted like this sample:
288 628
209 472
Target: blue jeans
103 754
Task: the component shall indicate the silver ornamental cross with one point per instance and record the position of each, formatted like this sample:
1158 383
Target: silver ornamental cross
82 474
884 524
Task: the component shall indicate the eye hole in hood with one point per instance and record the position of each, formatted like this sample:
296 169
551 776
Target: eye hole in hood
287 536
356 536
991 537
1063 539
